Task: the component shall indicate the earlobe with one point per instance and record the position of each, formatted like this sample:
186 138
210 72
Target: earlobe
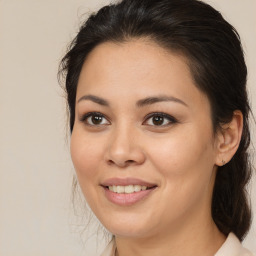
229 137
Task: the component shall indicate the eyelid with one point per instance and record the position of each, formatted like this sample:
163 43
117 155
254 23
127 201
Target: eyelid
170 118
85 116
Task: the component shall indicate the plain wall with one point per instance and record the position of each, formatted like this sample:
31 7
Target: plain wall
36 216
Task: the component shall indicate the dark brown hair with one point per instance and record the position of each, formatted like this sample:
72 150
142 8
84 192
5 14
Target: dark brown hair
213 49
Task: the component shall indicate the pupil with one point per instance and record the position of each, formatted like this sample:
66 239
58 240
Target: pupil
158 120
96 119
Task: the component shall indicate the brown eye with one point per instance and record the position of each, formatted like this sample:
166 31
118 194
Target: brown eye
157 120
94 119
160 119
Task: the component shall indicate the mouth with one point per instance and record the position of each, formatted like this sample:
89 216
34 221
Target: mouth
127 191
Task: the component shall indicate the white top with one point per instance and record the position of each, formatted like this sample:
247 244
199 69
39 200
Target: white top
231 247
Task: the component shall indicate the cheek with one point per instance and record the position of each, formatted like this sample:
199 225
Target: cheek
185 165
86 155
184 157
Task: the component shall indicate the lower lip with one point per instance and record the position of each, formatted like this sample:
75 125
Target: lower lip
127 199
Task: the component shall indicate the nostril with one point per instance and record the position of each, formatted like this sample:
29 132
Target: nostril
110 162
124 157
121 163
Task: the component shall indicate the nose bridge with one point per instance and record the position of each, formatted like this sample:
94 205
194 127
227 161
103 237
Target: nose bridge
124 147
122 140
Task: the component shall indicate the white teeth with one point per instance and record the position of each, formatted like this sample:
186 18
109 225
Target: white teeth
127 189
137 188
120 189
143 187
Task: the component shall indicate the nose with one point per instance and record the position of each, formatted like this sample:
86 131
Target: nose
124 149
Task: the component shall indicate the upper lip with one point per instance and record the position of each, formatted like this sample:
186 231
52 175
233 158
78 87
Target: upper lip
126 181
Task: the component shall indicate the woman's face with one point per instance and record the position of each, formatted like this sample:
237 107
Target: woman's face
142 144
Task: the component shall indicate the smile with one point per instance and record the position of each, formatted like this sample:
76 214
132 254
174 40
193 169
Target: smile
127 189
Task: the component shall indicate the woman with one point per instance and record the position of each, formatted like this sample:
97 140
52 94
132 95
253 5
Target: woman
158 107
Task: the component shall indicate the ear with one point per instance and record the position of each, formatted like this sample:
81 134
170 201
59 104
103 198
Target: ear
228 138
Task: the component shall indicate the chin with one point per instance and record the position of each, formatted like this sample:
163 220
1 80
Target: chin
128 225
129 231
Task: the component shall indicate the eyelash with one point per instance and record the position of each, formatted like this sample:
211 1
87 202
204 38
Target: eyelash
171 119
85 117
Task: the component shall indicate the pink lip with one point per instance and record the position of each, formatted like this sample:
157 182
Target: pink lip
126 182
123 199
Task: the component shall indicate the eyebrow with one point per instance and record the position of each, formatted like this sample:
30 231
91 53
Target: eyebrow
95 99
139 103
152 100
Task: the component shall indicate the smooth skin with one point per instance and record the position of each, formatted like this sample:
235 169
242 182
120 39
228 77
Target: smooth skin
176 150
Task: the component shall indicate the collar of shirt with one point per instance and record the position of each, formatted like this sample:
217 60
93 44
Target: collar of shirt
231 247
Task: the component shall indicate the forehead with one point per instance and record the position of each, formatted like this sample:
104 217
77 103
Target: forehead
137 68
135 58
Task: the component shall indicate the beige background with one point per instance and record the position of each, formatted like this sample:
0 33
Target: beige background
35 169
